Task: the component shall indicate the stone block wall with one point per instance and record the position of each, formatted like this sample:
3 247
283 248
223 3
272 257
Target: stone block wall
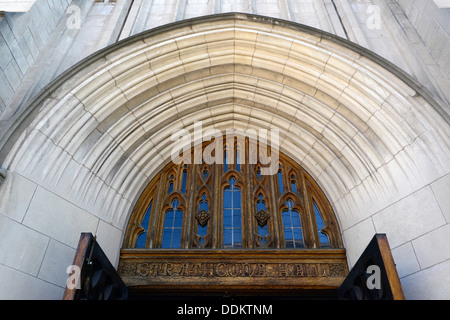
22 37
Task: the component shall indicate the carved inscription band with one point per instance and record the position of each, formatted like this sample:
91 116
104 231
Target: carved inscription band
235 270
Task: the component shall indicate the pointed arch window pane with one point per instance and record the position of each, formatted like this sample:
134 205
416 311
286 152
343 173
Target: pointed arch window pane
142 238
184 181
323 238
258 172
280 182
171 184
293 186
293 236
172 227
232 235
260 205
205 172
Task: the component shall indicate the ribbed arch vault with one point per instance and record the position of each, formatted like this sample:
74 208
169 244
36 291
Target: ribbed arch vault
363 130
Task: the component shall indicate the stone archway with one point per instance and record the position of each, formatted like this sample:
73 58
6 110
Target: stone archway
90 143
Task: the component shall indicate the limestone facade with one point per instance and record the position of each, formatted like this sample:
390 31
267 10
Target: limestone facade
372 130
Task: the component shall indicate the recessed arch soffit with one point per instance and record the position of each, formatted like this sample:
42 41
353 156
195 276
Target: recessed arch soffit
341 113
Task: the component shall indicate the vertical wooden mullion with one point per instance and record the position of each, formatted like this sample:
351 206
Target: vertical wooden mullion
247 203
191 191
217 214
148 238
277 214
157 220
274 214
310 236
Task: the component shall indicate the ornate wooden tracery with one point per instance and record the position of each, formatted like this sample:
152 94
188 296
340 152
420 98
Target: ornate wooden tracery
210 195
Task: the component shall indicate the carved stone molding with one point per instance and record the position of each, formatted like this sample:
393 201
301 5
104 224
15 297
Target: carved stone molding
233 269
3 174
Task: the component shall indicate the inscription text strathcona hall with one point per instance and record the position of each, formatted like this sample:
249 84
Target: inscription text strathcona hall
234 269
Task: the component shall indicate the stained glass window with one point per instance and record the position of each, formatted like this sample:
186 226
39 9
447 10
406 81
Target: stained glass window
143 236
184 181
293 186
232 204
292 225
172 227
323 238
280 182
232 236
171 184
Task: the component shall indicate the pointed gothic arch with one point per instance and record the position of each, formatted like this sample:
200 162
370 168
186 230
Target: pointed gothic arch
366 132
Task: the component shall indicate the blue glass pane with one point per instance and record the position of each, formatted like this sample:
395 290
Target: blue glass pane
178 222
202 231
227 218
298 234
184 181
237 238
293 186
227 198
232 216
237 219
289 243
169 218
292 227
238 160
227 237
262 231
225 161
260 206
295 219
290 204
141 240
170 186
172 227
324 241
167 238
288 234
147 216
204 203
237 198
176 238
258 172
287 219
280 182
143 236
318 216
